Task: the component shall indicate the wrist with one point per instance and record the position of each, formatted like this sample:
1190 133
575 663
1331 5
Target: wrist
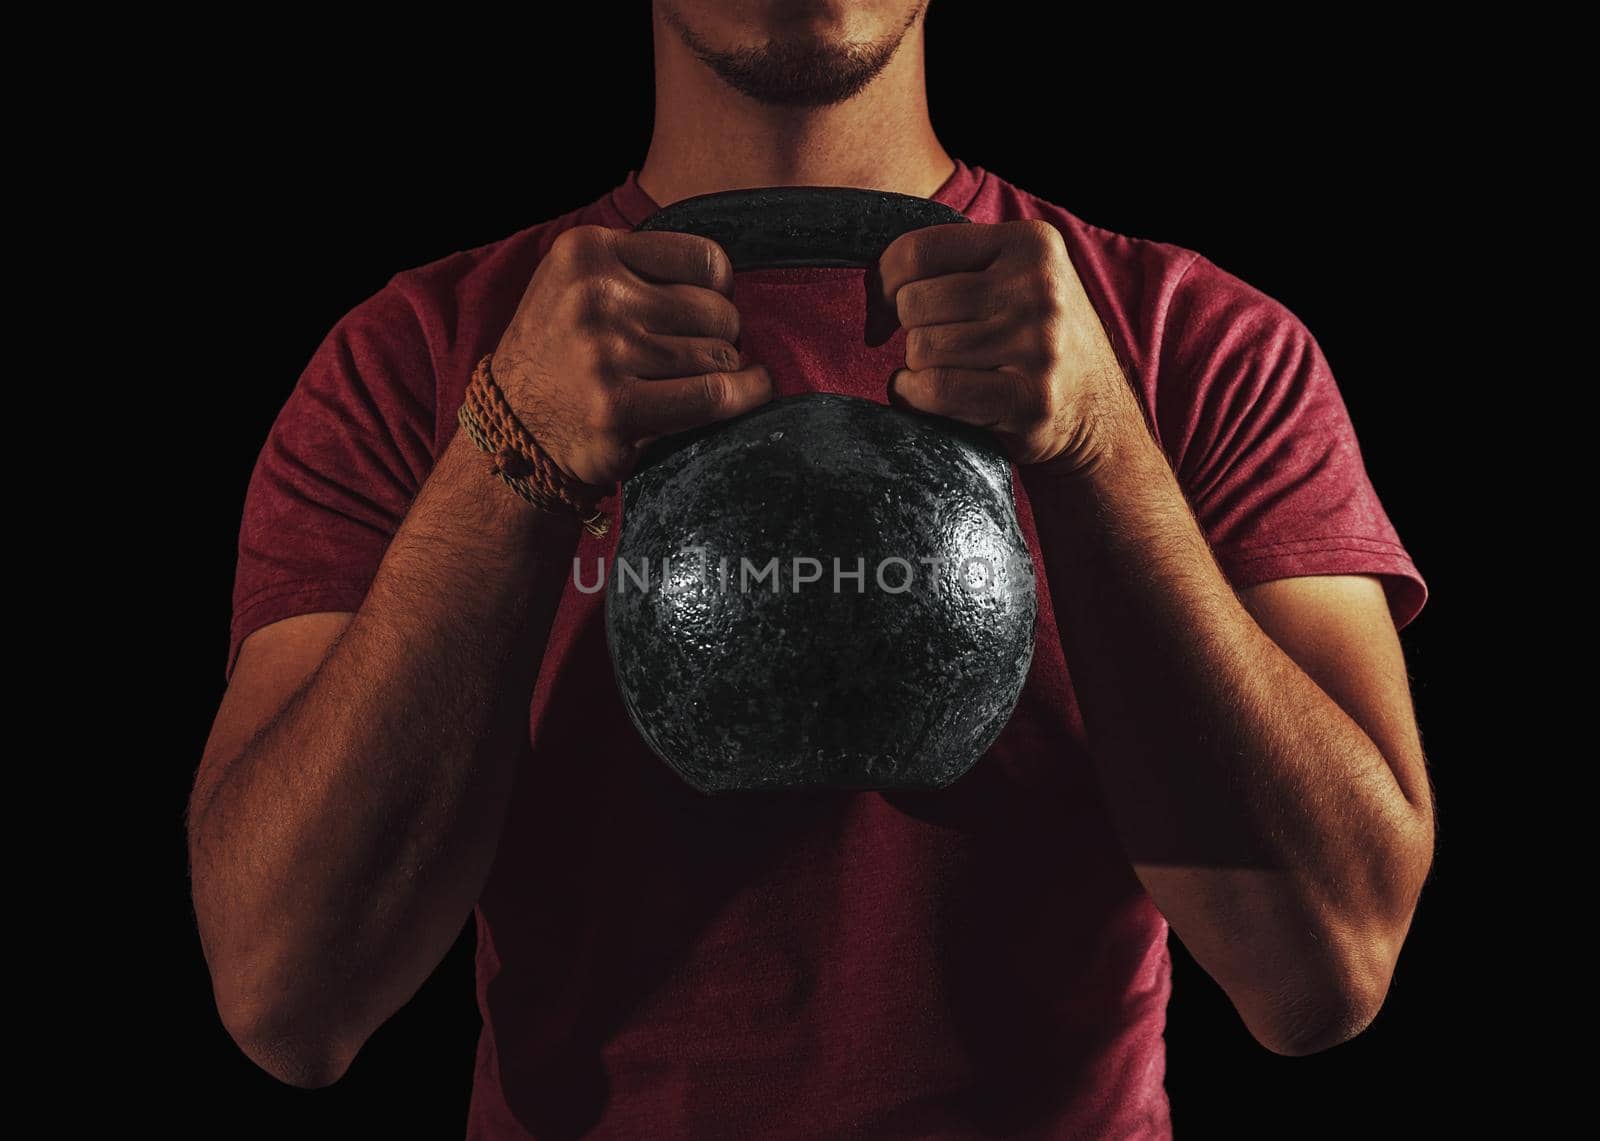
517 458
493 510
1111 434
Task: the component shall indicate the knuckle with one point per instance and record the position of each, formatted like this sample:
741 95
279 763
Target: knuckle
919 254
648 352
901 264
720 319
919 350
581 243
1048 304
1040 234
604 300
571 307
914 303
1041 346
895 261
732 323
605 294
719 270
717 356
589 299
611 349
716 388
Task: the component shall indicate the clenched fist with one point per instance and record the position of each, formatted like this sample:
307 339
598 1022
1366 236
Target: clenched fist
1000 334
619 339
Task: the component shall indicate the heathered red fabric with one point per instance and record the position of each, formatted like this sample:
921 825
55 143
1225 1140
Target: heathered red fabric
980 961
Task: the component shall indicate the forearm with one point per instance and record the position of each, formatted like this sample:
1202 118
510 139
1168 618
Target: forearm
1264 822
336 856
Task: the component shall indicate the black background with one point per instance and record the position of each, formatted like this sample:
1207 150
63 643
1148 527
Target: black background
303 180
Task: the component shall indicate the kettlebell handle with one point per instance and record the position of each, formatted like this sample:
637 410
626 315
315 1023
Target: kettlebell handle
774 227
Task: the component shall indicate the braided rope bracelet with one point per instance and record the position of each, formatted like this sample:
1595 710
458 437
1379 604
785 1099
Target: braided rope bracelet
518 460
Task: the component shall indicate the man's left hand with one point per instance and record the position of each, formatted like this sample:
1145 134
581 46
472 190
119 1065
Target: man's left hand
1000 334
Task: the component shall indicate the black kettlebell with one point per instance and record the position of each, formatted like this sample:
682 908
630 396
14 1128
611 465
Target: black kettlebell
825 592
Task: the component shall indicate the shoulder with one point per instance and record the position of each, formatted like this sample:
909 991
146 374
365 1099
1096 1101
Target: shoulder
427 326
1164 302
464 296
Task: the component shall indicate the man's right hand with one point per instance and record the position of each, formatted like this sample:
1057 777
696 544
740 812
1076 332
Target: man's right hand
622 338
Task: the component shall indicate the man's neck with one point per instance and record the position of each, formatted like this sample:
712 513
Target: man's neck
709 137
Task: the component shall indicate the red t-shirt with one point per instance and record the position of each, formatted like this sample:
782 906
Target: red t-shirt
974 962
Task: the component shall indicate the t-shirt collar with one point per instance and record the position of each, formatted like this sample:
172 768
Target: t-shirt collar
632 205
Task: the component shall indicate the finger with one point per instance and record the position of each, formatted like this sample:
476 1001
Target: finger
653 408
678 259
669 358
951 298
985 398
969 344
935 251
685 311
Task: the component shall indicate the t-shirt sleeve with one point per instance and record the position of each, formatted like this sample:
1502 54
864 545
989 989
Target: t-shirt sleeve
341 464
1263 444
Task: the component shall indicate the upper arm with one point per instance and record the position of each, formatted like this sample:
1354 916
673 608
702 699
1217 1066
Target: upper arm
1263 444
345 456
1339 629
343 460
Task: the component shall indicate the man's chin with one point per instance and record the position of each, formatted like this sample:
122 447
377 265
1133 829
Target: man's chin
808 72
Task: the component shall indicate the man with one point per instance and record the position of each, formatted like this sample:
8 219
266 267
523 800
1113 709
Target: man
421 721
